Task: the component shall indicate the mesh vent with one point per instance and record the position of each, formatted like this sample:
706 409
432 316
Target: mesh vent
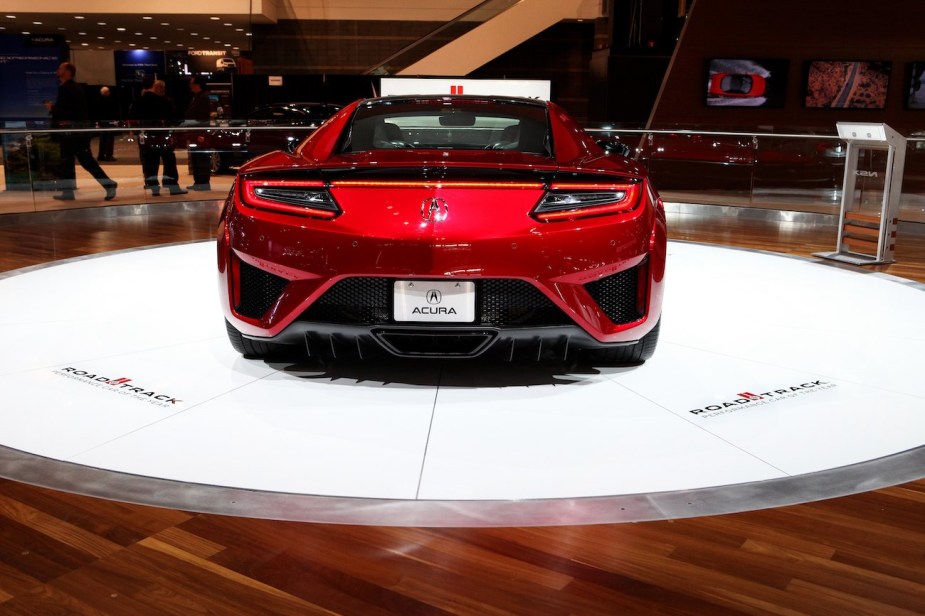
502 303
362 301
616 295
259 290
512 303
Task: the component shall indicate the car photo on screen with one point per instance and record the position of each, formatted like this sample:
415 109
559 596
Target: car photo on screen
746 83
847 85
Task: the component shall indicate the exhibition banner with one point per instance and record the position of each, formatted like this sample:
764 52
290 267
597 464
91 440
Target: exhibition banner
27 72
134 64
528 88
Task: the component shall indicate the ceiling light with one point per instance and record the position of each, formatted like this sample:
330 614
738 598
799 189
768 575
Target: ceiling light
121 29
138 34
131 44
227 44
85 44
101 23
147 17
11 16
27 33
165 23
36 23
227 24
78 16
82 33
248 34
239 29
206 38
153 38
101 38
180 29
214 18
194 34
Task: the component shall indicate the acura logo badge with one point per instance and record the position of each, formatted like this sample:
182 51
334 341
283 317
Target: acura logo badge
434 296
434 209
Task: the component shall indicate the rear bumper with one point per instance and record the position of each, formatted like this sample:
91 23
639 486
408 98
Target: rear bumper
338 341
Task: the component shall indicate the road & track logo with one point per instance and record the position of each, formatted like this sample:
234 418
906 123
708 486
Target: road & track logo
120 385
748 400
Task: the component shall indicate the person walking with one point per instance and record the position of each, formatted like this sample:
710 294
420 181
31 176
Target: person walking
70 111
153 109
107 116
198 113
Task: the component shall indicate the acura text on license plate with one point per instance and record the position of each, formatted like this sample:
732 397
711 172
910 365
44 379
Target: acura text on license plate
444 301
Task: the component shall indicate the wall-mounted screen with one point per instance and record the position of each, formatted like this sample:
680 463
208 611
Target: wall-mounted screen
915 85
838 84
746 83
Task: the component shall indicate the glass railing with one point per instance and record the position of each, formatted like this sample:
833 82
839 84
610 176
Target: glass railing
35 175
792 172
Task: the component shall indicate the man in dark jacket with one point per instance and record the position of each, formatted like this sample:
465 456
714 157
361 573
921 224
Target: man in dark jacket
152 109
107 116
70 111
198 113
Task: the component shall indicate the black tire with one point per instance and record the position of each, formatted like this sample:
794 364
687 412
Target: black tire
220 163
629 354
255 349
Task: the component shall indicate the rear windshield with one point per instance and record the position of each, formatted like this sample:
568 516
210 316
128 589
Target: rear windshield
449 125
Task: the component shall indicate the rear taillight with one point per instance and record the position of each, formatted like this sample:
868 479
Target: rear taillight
569 201
309 198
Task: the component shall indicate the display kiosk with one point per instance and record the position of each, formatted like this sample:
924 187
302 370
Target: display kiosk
871 190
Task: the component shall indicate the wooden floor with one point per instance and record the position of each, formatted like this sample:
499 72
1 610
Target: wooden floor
67 554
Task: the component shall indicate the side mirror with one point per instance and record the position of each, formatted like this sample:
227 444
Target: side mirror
616 147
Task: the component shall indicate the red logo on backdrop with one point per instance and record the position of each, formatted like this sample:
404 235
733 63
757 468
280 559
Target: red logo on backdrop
456 89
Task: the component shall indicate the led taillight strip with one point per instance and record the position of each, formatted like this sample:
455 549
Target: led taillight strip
595 210
564 186
433 184
293 183
627 203
252 199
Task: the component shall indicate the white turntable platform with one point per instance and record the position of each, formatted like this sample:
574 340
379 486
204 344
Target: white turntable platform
768 368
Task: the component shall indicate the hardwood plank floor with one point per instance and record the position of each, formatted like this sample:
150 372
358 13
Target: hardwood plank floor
63 553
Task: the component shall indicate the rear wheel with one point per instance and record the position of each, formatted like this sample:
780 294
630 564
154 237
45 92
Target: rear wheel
256 349
630 354
220 163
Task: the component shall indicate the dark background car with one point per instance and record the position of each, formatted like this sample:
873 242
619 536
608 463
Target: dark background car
277 126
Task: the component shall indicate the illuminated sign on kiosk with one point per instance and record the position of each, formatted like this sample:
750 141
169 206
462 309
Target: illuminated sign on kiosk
527 88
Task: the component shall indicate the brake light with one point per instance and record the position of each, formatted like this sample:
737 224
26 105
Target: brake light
309 198
569 201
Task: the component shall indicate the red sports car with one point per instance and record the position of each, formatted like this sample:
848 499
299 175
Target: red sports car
737 85
444 227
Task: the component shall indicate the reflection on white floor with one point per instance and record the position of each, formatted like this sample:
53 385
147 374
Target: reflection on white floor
767 367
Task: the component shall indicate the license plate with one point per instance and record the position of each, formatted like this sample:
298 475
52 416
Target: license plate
434 301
